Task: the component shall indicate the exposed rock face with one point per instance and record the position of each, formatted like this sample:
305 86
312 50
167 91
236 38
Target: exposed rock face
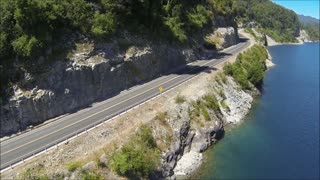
94 74
238 101
225 37
88 77
304 37
185 154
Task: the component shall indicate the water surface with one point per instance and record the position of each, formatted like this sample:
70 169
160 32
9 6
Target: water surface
280 137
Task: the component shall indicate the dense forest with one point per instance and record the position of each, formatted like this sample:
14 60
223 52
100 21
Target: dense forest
276 21
33 30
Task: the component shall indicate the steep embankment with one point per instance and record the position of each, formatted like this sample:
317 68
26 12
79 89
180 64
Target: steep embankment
183 123
98 71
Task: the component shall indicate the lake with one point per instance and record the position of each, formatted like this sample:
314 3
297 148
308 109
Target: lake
279 139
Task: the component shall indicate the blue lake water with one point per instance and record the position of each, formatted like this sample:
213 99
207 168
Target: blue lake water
279 139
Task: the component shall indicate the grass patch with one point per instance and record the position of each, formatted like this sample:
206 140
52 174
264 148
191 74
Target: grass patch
205 114
211 102
72 166
224 105
221 94
180 99
162 117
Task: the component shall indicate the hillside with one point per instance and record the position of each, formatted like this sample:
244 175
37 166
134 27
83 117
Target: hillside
54 53
311 25
274 20
308 20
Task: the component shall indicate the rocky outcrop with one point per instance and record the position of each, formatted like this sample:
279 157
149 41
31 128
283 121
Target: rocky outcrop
89 76
193 138
304 37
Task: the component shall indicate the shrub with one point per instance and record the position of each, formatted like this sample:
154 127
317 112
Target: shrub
72 166
180 99
221 94
198 16
175 27
224 105
137 158
88 175
25 46
205 114
249 67
162 116
211 102
103 25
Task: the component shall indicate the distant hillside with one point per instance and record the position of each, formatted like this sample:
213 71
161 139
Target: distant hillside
276 21
308 20
311 25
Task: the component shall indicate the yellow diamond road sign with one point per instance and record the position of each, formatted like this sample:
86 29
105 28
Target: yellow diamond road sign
160 88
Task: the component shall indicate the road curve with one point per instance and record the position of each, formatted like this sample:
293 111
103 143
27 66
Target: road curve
26 145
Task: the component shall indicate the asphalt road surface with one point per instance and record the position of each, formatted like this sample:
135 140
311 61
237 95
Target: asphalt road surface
26 145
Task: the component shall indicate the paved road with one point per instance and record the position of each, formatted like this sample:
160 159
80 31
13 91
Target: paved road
16 149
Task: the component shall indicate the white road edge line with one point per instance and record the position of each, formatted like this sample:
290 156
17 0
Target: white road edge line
45 150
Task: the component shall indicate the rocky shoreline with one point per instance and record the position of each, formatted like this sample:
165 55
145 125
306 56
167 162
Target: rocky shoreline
185 156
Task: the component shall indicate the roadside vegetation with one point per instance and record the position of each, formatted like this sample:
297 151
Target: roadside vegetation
249 67
139 157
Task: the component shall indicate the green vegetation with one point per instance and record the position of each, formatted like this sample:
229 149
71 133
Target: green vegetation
249 67
250 31
49 29
31 29
139 157
201 106
224 105
313 30
88 175
278 22
180 99
72 166
37 173
311 25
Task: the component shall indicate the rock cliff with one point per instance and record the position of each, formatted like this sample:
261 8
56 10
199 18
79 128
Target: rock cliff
194 135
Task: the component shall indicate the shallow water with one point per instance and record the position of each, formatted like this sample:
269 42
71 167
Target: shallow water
279 139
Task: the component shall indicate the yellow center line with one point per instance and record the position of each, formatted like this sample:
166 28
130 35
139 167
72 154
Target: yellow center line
88 116
7 141
93 115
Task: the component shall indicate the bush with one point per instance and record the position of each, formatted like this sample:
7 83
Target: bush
211 102
87 175
162 116
72 166
198 16
180 99
138 158
176 28
103 25
249 67
205 114
26 46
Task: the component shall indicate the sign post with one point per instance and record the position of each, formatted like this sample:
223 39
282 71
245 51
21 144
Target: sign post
161 89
